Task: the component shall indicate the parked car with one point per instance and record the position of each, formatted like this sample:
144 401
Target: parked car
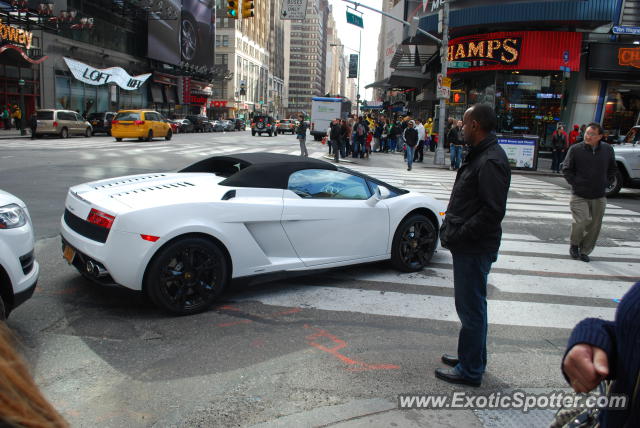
140 124
101 122
228 125
181 237
19 269
628 162
184 125
61 123
217 126
240 124
286 125
198 122
263 124
208 125
175 126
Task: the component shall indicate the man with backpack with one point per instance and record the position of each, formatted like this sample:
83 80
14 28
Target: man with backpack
301 132
360 130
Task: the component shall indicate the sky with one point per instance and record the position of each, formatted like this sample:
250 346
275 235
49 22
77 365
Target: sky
349 36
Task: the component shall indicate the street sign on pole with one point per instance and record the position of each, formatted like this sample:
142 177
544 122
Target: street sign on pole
294 9
353 66
354 19
459 64
443 90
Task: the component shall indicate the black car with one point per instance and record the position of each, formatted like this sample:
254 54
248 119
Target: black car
200 123
101 122
263 124
240 125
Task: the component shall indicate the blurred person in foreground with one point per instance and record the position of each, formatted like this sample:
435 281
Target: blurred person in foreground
21 402
599 350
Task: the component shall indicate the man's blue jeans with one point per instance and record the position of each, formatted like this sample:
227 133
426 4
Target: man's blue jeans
409 155
456 156
470 273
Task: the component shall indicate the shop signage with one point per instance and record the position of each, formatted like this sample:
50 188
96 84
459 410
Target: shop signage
96 76
218 104
520 150
613 61
194 99
11 34
516 50
629 56
493 51
620 29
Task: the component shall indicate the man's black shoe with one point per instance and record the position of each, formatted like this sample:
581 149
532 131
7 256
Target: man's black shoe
574 250
449 360
452 376
584 258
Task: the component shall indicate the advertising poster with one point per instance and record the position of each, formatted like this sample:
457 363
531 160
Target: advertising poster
187 39
521 151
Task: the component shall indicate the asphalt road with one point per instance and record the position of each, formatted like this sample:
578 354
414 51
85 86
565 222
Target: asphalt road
333 348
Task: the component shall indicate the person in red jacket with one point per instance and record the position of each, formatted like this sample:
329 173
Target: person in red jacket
573 135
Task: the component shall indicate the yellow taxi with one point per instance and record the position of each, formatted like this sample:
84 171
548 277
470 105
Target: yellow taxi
140 124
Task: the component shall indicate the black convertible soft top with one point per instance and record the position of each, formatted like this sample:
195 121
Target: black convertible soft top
263 170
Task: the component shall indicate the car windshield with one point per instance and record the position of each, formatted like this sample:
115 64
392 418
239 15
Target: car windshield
128 115
44 115
95 116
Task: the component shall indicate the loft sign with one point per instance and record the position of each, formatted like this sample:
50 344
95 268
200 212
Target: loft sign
96 76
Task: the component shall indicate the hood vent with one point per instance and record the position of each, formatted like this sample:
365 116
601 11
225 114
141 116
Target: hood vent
128 181
179 185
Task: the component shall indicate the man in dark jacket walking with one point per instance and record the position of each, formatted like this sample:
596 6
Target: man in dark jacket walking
559 144
472 231
335 137
589 168
410 137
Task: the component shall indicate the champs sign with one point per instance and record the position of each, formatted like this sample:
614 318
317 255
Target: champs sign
493 51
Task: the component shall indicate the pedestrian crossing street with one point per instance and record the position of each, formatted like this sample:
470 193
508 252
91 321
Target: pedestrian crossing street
534 282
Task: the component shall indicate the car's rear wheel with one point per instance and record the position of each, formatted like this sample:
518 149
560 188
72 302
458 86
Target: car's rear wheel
150 136
169 135
186 276
413 243
118 139
64 133
615 185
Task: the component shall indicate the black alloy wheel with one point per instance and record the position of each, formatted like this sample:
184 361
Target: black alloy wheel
615 185
186 276
189 39
413 243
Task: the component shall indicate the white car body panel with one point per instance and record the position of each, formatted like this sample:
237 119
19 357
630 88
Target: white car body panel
14 243
264 230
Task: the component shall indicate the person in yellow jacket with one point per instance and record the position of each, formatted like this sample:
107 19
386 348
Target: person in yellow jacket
17 116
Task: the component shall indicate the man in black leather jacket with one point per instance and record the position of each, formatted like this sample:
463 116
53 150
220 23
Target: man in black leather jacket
472 232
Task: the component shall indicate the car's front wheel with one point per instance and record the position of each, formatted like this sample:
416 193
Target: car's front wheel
118 139
88 133
186 276
169 135
615 185
413 243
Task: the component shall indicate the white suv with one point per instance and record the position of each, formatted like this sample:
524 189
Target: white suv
628 162
18 267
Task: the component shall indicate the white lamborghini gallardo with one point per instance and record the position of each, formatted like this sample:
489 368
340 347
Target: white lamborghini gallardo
182 236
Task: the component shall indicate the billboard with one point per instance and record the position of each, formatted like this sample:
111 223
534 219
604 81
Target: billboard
189 39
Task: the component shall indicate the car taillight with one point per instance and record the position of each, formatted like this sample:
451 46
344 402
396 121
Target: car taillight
114 122
101 219
55 124
139 122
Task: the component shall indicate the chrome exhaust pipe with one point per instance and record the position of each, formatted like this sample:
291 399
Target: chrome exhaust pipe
95 269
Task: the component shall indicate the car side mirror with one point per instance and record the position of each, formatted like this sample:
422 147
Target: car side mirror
380 193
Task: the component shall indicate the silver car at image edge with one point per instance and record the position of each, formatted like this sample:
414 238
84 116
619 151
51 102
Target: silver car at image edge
19 269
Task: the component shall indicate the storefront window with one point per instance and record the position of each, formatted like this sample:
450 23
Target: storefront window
63 93
528 103
622 109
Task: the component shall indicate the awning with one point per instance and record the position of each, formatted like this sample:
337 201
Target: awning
407 79
384 83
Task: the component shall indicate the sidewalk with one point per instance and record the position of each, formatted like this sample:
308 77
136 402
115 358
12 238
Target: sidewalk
13 134
382 160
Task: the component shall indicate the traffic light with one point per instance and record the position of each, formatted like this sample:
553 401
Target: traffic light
232 9
458 97
247 8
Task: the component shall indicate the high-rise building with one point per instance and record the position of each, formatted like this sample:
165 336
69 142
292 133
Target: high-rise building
307 67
